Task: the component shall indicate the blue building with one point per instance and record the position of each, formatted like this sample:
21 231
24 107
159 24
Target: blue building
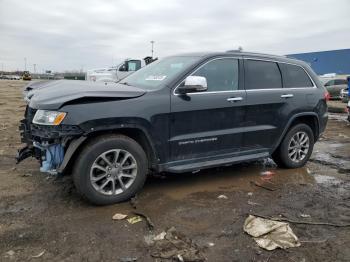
333 61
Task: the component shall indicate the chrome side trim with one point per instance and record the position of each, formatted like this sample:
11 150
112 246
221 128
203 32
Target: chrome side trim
248 90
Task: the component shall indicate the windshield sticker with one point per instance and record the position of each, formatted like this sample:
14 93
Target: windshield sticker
155 78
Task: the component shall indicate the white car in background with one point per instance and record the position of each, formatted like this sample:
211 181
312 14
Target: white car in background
115 73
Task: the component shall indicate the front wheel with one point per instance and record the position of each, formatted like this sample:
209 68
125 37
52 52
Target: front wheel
110 169
295 148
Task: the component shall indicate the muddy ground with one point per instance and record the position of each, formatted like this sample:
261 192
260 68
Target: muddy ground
40 215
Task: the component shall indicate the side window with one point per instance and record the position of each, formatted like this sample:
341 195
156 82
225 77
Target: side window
329 83
134 65
294 76
262 75
221 74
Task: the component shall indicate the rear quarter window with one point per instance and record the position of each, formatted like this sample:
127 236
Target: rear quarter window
294 76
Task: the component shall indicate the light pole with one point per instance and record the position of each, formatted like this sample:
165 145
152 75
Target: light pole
152 43
25 64
34 66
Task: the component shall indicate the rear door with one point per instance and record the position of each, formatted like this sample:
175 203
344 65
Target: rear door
209 123
275 92
267 104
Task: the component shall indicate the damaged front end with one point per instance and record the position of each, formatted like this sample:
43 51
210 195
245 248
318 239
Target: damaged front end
47 143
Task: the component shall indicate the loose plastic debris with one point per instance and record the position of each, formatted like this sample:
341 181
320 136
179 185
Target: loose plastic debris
119 216
134 220
267 175
39 255
176 246
222 197
160 236
305 215
270 234
128 259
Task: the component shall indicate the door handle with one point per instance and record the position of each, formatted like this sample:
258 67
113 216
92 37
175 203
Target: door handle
234 99
287 95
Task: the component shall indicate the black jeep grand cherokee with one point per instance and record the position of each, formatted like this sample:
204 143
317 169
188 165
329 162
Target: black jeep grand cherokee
182 113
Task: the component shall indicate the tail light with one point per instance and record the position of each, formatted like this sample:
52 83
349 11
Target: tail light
327 96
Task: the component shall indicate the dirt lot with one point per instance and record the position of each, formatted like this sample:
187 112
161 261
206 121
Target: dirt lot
43 214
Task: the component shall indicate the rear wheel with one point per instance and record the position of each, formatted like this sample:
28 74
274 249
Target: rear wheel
110 169
295 148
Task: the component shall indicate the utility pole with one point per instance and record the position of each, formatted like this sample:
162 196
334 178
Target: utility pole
152 43
34 66
2 67
25 64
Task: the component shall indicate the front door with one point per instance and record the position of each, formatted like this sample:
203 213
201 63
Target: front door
209 123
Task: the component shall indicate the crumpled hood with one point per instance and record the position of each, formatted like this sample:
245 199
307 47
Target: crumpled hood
54 94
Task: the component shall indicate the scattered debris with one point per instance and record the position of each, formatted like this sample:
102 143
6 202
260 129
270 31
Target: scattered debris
270 234
133 202
303 222
160 236
134 220
253 203
10 253
211 244
148 220
222 197
149 239
39 255
119 216
128 259
267 175
342 135
180 258
27 175
267 186
176 246
250 193
305 216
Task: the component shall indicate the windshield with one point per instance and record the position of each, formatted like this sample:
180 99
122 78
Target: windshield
158 73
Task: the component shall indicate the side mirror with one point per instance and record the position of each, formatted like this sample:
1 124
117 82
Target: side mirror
123 67
193 84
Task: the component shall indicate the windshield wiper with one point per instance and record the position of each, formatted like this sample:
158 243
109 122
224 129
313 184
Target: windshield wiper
124 83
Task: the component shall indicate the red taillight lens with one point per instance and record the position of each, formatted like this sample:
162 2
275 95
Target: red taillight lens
327 96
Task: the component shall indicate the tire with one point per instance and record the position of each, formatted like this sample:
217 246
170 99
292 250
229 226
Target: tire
91 171
285 157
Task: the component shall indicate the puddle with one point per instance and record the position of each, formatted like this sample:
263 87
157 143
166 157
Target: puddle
337 117
236 177
327 180
332 154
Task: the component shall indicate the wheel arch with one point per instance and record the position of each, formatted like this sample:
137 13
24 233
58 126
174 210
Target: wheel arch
139 134
309 118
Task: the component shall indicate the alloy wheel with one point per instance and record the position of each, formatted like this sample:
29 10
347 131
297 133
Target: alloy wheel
113 172
298 146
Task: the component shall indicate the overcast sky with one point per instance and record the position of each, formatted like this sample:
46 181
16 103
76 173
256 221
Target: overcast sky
65 35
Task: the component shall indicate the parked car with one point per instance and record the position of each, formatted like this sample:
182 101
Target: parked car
117 73
344 95
26 76
334 86
179 114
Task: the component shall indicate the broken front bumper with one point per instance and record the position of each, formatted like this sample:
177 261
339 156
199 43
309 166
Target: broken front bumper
48 144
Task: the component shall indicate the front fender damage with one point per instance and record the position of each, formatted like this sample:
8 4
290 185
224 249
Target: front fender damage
51 146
